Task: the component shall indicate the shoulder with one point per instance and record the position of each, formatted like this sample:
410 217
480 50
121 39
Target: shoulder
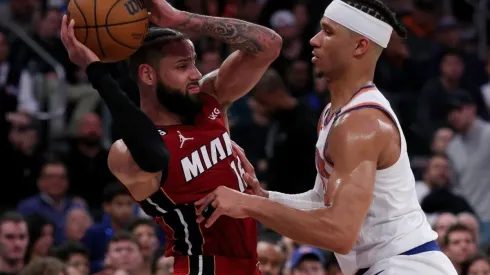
28 203
363 132
207 83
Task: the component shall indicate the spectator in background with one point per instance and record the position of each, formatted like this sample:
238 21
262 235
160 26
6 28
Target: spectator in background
477 265
459 245
333 267
14 238
145 233
74 255
41 231
52 201
432 111
442 223
124 252
23 157
162 265
298 78
485 89
47 36
441 140
118 209
469 220
78 220
21 12
87 161
291 140
440 198
284 23
210 61
308 260
271 258
45 266
469 153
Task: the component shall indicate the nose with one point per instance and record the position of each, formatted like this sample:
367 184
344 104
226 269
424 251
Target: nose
315 40
195 75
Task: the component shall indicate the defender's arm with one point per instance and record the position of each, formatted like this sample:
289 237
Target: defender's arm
359 138
257 46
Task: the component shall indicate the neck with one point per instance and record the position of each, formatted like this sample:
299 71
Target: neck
342 88
449 83
156 112
10 267
145 268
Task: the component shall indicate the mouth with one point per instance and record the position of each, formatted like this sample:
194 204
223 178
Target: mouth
314 58
193 89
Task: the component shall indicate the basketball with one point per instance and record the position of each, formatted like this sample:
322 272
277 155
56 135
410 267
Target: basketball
112 29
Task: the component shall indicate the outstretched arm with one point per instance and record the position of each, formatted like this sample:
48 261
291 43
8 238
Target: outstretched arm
257 47
359 138
309 200
143 145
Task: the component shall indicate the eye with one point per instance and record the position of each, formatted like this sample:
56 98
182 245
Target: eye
182 67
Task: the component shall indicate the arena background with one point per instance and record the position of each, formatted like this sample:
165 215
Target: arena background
55 133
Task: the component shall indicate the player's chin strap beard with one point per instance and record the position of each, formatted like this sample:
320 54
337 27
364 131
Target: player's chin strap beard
181 104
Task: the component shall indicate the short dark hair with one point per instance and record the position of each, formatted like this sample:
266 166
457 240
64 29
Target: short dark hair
152 49
112 190
465 267
458 227
140 221
11 216
44 265
123 235
380 11
69 248
271 81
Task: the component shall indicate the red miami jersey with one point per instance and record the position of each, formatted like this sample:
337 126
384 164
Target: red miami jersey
201 159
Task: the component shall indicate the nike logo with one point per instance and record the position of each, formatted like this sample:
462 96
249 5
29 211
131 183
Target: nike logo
379 272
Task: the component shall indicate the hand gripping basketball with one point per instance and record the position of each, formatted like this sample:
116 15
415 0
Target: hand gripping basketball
79 54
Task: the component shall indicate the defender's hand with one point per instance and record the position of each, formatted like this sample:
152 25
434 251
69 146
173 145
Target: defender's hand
163 14
225 201
249 176
79 54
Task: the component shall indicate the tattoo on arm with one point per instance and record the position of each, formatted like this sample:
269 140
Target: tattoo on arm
248 37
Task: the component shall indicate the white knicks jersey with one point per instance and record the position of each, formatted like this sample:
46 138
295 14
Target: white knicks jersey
395 222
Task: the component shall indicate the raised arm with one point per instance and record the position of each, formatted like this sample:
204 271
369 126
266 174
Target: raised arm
142 152
359 139
257 47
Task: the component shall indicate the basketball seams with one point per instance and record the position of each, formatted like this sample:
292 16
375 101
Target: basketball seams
107 29
84 20
114 24
97 29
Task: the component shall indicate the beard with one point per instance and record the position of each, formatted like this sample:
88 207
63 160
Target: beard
183 104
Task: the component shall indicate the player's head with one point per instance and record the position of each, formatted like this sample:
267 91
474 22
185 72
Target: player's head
353 32
166 64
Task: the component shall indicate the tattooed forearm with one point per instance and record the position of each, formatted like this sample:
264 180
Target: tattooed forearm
245 36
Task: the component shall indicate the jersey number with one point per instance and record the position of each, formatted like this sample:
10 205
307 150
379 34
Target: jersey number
239 173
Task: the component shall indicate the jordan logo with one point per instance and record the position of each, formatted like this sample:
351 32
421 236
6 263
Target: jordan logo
183 139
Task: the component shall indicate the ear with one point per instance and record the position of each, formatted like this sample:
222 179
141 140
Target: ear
362 46
147 74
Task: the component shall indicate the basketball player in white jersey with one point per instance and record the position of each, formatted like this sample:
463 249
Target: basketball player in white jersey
364 206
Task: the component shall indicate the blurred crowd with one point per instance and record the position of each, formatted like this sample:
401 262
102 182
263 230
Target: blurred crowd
64 213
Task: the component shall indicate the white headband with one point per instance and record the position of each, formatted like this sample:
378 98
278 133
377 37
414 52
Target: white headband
360 22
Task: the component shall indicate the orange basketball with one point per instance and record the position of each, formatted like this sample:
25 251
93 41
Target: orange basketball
112 29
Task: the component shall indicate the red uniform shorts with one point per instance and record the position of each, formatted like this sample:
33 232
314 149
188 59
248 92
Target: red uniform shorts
214 265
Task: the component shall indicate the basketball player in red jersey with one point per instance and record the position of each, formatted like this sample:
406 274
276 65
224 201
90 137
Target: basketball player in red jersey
177 148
